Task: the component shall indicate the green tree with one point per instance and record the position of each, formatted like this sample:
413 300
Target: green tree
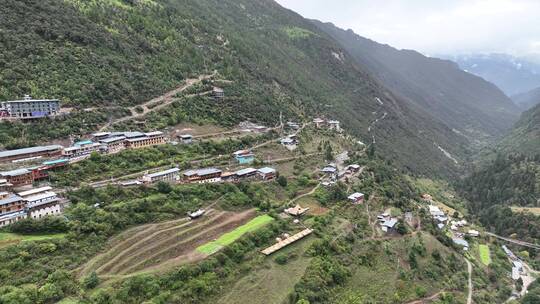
91 281
282 181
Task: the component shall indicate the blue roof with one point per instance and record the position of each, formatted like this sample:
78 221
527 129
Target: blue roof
84 142
55 162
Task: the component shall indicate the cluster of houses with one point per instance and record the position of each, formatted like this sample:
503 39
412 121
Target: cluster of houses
209 175
290 142
332 173
104 142
517 264
34 203
387 222
29 108
321 123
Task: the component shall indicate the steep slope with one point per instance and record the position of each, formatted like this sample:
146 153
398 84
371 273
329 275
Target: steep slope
528 99
117 53
464 102
525 136
511 74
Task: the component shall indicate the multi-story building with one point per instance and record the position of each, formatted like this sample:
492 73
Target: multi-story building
113 144
148 140
40 151
81 148
208 175
5 185
11 203
12 217
31 108
40 202
19 177
171 175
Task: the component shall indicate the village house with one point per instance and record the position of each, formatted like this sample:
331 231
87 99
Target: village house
33 152
169 176
186 138
19 177
354 168
100 135
296 210
318 122
474 233
334 125
244 156
293 125
208 175
29 108
389 225
218 93
356 198
246 173
461 242
12 217
267 173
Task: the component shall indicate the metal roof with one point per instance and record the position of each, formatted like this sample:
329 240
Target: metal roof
245 171
15 172
136 139
356 195
10 199
23 151
34 191
200 172
390 223
267 170
155 133
55 162
162 173
112 139
83 142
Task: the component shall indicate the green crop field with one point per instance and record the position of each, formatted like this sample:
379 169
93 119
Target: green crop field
230 237
484 254
7 238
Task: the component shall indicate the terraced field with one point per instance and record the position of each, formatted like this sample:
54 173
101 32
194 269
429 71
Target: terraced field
157 247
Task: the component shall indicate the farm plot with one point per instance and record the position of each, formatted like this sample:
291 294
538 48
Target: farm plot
157 247
230 237
484 253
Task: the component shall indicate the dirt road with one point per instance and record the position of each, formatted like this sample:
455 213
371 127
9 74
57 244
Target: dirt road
158 102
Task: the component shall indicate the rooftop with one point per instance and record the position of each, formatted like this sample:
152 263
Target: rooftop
15 172
162 173
390 223
12 214
154 133
83 142
10 199
356 195
34 191
23 151
245 171
112 139
100 134
267 170
40 196
201 172
55 162
28 98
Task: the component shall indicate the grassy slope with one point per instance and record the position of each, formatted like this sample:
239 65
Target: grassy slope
7 238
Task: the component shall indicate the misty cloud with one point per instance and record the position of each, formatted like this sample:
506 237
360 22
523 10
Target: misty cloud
434 27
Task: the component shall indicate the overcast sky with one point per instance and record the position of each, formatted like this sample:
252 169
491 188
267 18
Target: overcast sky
435 26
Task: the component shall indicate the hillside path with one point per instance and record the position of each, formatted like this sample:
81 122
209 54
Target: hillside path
158 102
469 270
517 242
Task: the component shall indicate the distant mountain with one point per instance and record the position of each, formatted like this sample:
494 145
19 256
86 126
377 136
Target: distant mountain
467 104
528 99
511 74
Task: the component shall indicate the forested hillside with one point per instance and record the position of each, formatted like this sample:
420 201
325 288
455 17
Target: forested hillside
114 53
525 136
527 100
464 102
